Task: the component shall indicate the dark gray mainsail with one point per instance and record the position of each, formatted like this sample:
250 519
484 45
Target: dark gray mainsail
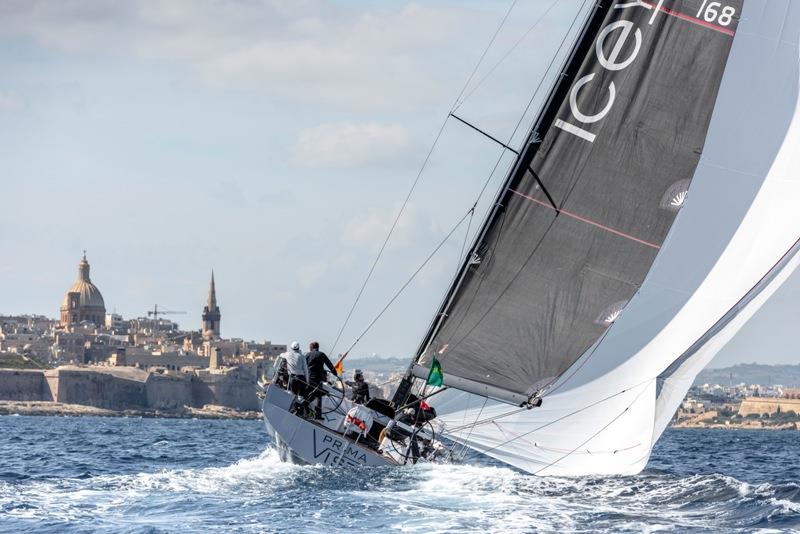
591 198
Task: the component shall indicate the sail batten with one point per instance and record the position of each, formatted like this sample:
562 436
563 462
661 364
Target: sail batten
592 197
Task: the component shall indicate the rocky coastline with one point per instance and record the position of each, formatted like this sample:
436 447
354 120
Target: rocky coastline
50 408
742 425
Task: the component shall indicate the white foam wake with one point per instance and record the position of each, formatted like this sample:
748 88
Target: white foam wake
115 496
263 490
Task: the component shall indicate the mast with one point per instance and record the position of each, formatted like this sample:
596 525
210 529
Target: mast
558 92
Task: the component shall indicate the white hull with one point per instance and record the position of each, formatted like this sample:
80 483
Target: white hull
304 441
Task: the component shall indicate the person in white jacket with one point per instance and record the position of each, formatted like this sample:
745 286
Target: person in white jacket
297 368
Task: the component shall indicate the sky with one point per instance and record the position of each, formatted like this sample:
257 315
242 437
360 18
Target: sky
273 142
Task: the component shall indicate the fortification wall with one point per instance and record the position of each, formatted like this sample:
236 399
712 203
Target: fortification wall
230 390
128 388
23 385
169 392
202 394
762 405
99 389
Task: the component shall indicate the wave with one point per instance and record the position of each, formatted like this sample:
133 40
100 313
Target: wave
500 499
263 490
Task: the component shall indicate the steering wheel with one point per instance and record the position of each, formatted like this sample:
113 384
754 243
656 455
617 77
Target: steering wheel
338 387
414 435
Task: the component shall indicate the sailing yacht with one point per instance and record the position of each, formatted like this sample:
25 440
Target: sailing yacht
649 213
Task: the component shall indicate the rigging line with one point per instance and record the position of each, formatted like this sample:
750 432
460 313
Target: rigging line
532 138
474 206
461 255
456 441
388 236
466 236
440 319
487 256
597 451
565 416
458 100
552 62
505 56
411 278
623 412
500 428
419 174
489 419
463 425
464 447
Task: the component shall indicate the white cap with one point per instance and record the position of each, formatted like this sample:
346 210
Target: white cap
295 345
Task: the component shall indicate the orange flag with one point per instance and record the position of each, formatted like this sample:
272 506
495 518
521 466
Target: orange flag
339 366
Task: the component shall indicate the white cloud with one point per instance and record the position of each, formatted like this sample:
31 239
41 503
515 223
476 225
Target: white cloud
342 55
310 272
347 145
370 228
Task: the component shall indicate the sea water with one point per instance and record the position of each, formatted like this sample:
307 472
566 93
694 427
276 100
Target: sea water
86 474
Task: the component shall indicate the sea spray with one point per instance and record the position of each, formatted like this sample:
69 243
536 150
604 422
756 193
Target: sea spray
68 474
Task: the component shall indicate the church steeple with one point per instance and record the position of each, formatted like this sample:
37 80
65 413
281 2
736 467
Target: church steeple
212 293
211 313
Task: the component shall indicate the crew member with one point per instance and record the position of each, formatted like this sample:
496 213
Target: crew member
296 368
360 392
418 412
317 362
280 374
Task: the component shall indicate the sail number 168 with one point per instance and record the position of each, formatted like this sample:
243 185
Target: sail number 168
712 13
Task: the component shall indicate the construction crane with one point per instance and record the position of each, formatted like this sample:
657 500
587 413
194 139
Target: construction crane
155 312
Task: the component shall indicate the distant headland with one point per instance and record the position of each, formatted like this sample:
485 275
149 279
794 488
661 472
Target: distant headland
748 396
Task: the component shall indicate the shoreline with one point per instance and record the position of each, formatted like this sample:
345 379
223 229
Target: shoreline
57 409
791 427
49 408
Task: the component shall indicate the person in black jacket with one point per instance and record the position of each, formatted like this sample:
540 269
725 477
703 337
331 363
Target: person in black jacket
360 394
317 362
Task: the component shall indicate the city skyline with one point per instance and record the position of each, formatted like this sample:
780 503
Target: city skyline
271 143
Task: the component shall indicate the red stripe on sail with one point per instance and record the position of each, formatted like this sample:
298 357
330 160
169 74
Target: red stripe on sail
690 18
587 221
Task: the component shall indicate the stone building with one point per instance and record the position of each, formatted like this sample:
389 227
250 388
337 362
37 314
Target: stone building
211 313
83 301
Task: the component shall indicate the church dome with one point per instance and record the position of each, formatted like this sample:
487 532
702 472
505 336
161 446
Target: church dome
89 295
83 301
